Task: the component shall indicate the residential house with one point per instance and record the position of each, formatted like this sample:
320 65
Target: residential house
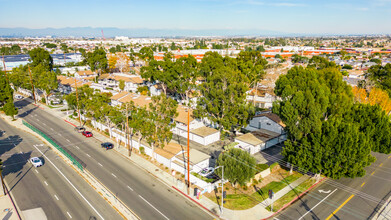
258 140
85 74
198 161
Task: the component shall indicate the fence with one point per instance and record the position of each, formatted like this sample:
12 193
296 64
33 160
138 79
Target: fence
74 161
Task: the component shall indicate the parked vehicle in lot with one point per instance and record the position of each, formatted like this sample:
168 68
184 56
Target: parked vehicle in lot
87 133
207 171
107 145
36 161
18 97
80 129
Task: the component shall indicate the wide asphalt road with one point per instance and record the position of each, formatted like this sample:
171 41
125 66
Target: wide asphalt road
140 191
346 198
55 187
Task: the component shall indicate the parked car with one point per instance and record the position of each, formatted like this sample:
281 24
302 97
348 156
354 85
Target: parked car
36 161
207 171
107 145
79 129
18 97
87 133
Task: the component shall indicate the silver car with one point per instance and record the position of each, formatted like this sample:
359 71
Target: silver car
36 161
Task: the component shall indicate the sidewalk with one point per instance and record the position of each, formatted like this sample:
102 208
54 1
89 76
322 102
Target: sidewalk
257 212
7 210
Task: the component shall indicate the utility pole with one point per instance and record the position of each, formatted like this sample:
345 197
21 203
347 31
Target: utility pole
77 100
32 85
222 189
188 150
1 175
127 130
5 70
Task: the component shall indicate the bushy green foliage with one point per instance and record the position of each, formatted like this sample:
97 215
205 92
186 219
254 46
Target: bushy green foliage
239 166
315 105
261 167
380 76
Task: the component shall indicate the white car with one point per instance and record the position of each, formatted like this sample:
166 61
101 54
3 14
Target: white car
207 171
36 162
18 97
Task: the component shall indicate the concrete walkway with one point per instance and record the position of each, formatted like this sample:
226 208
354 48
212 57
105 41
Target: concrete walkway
7 210
257 212
284 191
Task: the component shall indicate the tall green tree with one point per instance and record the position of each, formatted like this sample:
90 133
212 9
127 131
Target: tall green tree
121 85
6 96
184 76
239 166
223 94
380 76
97 59
44 80
41 56
161 112
314 106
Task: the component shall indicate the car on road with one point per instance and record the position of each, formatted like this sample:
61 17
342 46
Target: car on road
207 171
86 133
107 145
80 129
36 161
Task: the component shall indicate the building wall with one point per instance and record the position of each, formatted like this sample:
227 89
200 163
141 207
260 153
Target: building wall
266 123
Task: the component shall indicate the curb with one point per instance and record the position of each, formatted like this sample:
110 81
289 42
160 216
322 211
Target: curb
196 202
293 200
69 123
16 207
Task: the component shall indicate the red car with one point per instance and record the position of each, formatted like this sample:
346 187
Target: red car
87 133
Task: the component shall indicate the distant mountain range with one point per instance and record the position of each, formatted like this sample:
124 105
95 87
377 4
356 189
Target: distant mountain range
90 32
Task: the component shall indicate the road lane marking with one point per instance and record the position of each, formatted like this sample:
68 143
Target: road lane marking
37 119
43 123
46 183
100 164
77 147
69 215
130 188
362 184
88 155
52 129
113 175
381 165
317 204
36 171
59 134
372 173
56 197
68 140
344 203
70 183
153 207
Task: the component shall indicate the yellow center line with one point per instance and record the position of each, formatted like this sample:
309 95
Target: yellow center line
363 184
381 165
344 203
372 173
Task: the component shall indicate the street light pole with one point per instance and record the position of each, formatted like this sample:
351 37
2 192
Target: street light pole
77 99
188 150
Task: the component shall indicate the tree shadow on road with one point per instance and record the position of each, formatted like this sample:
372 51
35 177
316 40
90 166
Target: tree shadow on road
14 165
7 144
24 114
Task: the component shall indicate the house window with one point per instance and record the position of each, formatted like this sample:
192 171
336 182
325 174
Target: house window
268 123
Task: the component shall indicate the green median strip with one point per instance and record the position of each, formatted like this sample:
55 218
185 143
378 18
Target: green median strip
74 161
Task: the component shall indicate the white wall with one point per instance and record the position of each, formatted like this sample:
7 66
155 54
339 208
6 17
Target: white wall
266 123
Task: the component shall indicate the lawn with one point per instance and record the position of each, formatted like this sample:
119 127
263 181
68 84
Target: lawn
277 205
243 201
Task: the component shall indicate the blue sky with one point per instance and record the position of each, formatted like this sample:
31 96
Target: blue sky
290 16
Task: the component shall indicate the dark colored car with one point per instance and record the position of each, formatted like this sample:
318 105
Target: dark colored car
107 145
86 133
79 129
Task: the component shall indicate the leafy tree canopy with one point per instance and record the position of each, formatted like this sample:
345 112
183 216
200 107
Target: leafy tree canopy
41 56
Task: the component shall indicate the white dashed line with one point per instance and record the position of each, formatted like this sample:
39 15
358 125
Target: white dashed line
37 119
46 183
36 171
88 155
100 164
77 147
68 140
130 188
52 129
70 183
43 123
59 134
153 207
113 175
69 215
56 197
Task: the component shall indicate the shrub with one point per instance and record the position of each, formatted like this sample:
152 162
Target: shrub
43 100
142 150
255 181
261 167
245 187
273 165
